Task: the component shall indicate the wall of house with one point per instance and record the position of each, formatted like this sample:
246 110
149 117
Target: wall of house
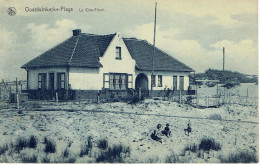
92 78
113 65
81 78
167 79
33 77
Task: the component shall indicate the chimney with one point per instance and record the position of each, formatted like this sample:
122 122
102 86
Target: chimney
76 32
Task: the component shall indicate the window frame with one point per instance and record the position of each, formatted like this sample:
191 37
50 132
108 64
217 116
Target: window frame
118 53
160 81
42 81
116 82
59 81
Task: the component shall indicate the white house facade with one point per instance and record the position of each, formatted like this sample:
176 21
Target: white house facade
88 62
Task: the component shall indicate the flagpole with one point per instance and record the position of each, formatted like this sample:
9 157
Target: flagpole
153 49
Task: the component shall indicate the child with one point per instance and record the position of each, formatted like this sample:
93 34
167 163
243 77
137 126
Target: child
156 134
188 130
167 131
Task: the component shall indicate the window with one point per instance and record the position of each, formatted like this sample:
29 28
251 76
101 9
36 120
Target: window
117 81
42 81
61 81
153 80
181 82
159 80
118 53
175 82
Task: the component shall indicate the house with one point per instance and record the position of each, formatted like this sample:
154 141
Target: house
85 64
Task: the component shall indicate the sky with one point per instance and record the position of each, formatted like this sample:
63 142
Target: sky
193 31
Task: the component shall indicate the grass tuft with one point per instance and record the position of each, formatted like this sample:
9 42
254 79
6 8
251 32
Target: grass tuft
208 144
66 153
3 149
241 157
215 117
172 158
32 142
50 146
46 160
85 150
21 143
102 144
191 147
29 159
115 154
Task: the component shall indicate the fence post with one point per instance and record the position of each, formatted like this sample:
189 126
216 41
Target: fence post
17 100
57 99
180 97
197 99
247 96
98 99
17 94
207 101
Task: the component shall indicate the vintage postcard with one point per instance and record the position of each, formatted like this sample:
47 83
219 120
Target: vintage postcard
129 81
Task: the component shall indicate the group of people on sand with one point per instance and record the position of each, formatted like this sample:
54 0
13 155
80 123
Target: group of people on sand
158 133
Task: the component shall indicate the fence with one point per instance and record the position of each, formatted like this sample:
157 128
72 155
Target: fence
226 97
9 87
216 101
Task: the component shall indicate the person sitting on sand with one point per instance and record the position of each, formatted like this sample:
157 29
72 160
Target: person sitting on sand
166 131
188 129
156 134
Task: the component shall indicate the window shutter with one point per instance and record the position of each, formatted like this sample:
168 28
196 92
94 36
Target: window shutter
130 81
106 80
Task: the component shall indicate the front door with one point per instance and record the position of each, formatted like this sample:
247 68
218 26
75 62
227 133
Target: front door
51 81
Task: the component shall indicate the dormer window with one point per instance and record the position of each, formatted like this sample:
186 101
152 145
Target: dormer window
118 53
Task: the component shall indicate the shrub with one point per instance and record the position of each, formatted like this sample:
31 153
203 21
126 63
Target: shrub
115 154
32 142
207 144
29 159
189 100
172 158
3 149
215 117
50 146
102 144
134 100
241 157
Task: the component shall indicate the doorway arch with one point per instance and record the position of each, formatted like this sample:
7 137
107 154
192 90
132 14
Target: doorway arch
141 81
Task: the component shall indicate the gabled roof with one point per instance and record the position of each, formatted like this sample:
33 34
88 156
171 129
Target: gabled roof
85 49
142 52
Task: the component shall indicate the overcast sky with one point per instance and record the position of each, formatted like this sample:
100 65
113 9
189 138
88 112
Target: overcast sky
193 31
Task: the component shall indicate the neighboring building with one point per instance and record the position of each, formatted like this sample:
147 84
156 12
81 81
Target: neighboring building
85 64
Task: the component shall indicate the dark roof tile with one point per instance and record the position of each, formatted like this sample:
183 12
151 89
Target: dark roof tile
84 50
142 52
